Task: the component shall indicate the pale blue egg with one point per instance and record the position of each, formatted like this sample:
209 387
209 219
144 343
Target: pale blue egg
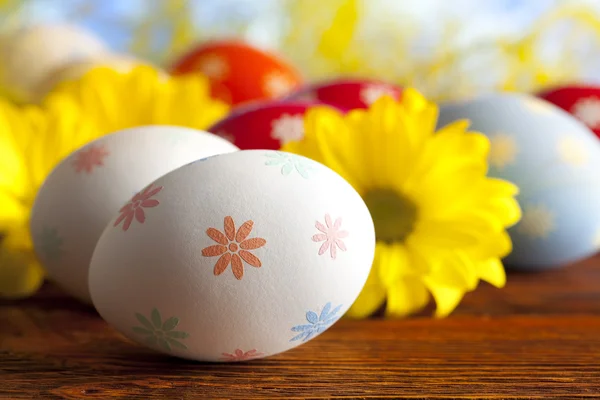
555 161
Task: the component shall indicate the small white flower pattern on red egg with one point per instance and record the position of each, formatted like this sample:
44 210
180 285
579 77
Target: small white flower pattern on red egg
276 84
239 355
371 92
288 128
90 158
213 66
331 236
587 110
135 207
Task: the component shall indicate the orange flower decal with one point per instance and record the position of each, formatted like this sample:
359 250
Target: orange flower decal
233 247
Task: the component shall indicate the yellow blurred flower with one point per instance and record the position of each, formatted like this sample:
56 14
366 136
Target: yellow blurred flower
115 100
33 140
440 222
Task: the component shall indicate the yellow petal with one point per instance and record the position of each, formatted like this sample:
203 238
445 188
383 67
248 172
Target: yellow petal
406 296
446 298
492 271
369 300
373 294
20 272
445 234
385 142
393 263
455 269
11 210
15 126
495 244
507 210
413 100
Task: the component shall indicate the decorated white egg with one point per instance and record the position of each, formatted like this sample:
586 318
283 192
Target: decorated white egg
86 189
555 161
30 54
241 255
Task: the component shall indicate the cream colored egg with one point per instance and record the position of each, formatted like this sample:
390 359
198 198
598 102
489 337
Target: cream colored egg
87 188
30 54
237 256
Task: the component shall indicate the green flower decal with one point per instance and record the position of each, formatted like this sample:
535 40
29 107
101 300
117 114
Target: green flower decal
159 333
290 162
50 245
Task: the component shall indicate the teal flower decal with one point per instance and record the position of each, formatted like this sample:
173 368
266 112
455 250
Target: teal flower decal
50 245
159 333
290 162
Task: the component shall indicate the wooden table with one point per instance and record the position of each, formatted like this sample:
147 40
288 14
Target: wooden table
539 337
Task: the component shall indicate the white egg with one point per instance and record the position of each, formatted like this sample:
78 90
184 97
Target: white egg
241 256
86 189
30 54
555 161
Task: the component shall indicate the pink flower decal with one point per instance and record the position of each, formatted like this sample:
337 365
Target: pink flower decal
239 355
90 158
135 207
331 236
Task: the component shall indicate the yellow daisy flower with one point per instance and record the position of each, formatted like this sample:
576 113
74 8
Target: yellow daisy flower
440 222
144 95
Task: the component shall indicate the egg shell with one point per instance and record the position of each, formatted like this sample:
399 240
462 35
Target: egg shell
75 70
554 159
346 93
239 72
30 54
267 125
87 188
308 243
583 102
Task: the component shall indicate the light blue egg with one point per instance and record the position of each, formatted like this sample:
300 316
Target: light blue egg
555 161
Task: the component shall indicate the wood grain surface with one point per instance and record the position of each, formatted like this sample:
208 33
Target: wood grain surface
537 338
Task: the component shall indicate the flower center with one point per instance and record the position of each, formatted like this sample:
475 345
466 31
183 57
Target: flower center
136 204
394 215
233 247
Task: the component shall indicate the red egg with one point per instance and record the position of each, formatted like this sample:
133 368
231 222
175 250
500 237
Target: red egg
267 125
239 72
347 93
583 102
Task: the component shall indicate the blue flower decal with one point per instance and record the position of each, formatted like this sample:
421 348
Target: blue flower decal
316 323
290 162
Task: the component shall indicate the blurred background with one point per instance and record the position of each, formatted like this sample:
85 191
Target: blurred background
445 48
